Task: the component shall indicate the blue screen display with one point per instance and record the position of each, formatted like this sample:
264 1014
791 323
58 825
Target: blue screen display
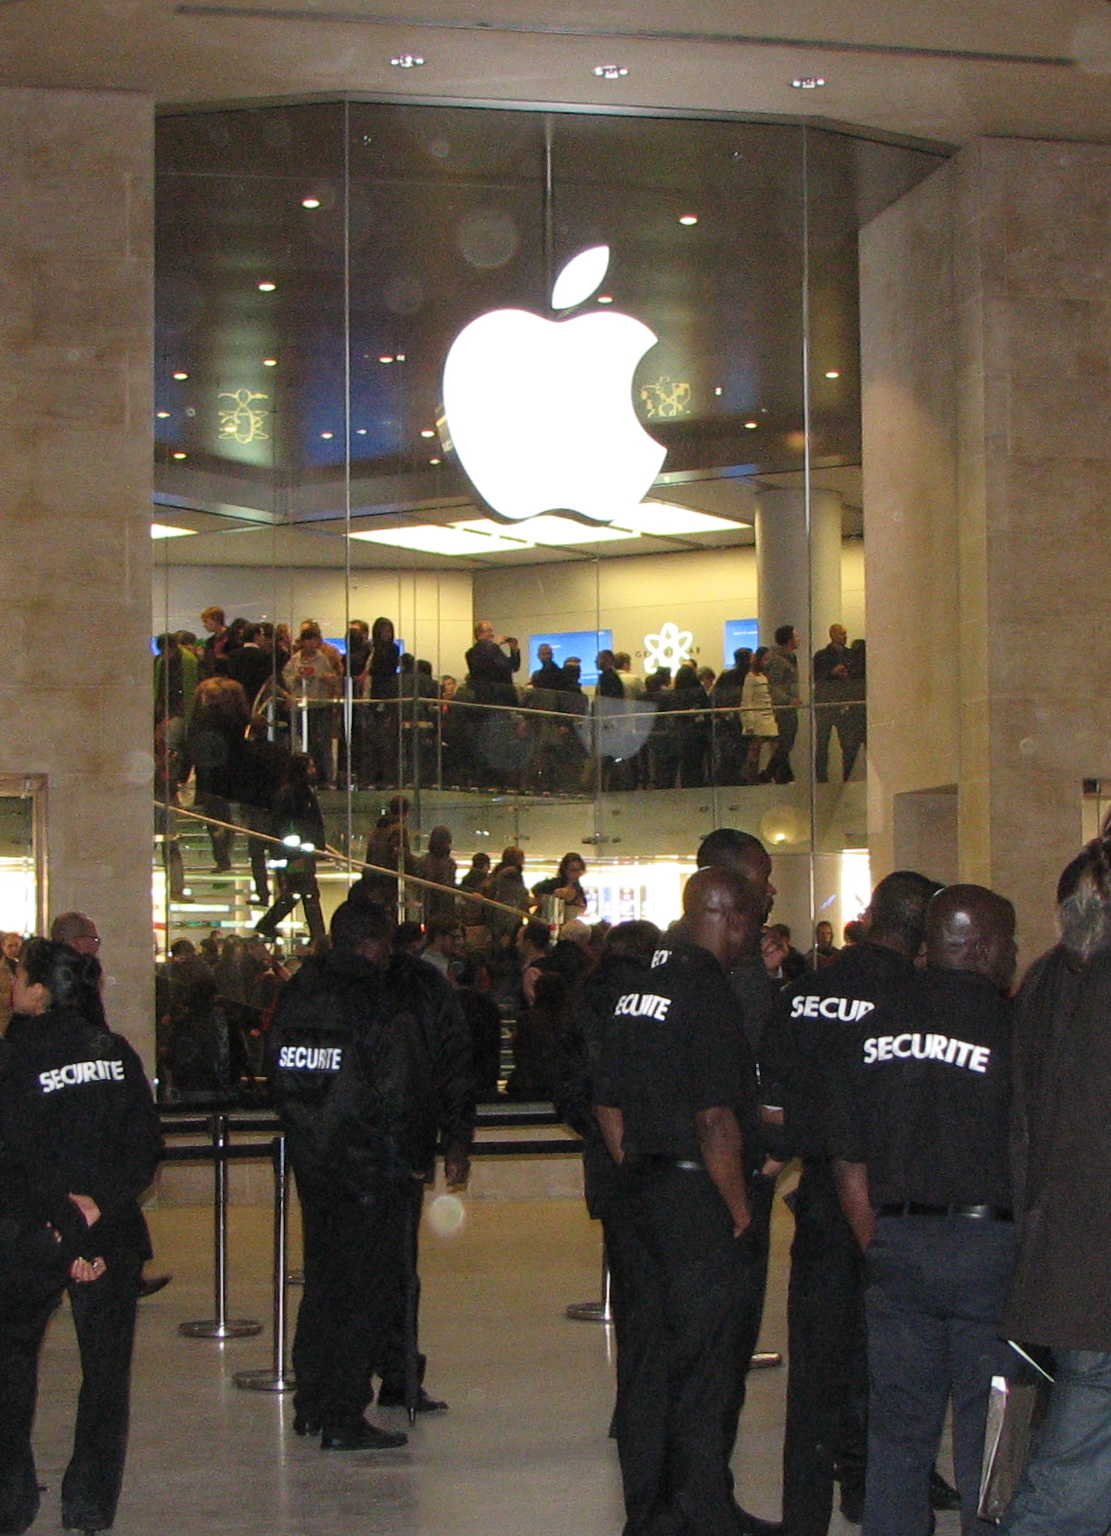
583 643
740 632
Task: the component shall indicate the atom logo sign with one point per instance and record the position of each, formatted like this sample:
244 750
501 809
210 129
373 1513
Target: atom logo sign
670 648
540 412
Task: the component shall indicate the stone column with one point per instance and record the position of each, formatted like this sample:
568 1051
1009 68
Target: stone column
985 296
798 567
76 328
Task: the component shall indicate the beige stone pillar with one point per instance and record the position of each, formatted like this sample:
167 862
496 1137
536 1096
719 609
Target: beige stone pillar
798 564
986 296
76 324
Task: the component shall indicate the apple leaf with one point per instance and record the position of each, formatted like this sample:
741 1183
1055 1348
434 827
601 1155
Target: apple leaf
579 278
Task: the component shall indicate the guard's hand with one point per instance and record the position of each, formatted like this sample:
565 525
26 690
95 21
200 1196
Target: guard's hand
774 951
88 1208
741 1222
457 1168
86 1270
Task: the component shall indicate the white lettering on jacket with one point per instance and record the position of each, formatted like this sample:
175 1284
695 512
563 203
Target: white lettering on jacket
311 1058
78 1072
847 1009
955 1053
643 1005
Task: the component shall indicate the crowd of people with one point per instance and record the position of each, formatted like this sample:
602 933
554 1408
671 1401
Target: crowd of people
493 727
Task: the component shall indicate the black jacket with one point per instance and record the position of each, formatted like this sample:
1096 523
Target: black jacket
76 1114
367 1067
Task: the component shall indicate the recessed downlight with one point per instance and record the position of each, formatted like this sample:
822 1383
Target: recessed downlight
266 286
833 373
688 219
327 436
427 432
310 202
180 455
605 298
270 362
162 415
180 375
750 426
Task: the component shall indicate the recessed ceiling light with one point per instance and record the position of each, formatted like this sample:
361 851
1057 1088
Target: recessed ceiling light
427 432
833 373
270 362
179 455
663 519
752 425
360 431
168 531
162 415
327 434
385 359
808 82
310 202
180 375
267 287
456 540
688 218
717 389
605 298
407 61
400 357
435 461
610 71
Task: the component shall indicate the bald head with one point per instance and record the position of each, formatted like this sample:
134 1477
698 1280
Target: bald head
76 930
722 913
969 928
743 854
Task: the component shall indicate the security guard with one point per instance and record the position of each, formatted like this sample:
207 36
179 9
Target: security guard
676 1091
802 1044
369 1059
78 1134
920 1134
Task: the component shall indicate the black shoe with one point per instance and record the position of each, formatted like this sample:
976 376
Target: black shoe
390 1397
361 1437
305 1424
752 1525
852 1503
942 1496
155 1284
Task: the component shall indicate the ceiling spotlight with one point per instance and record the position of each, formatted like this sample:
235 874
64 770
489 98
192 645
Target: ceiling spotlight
808 82
717 389
327 435
267 287
386 358
427 432
609 71
180 375
688 218
162 415
833 373
605 298
179 455
310 202
360 431
270 362
434 461
751 425
407 61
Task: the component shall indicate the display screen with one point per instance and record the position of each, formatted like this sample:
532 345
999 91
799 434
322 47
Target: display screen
583 643
738 633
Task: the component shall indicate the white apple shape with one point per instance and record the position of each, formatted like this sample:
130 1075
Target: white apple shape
540 412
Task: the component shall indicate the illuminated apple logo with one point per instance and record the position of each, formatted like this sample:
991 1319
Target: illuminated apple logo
540 412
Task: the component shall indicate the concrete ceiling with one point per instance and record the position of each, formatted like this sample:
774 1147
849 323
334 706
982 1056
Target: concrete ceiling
947 71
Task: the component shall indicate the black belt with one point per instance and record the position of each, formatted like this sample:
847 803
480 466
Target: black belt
973 1212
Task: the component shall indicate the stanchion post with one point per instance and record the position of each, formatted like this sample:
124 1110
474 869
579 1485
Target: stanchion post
220 1327
277 1378
595 1311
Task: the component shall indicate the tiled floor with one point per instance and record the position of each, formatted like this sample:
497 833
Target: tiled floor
522 1450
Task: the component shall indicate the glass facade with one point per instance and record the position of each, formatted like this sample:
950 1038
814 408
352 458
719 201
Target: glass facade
685 418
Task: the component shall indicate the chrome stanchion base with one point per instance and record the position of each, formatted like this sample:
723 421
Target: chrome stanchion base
211 1328
588 1312
265 1381
765 1360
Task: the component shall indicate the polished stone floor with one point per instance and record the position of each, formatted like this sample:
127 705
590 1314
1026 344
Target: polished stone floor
522 1450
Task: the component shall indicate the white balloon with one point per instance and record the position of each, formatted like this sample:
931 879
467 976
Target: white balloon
447 1215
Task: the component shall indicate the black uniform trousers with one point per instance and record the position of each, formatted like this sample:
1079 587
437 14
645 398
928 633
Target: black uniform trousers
406 1317
827 1371
695 1294
936 1287
352 1248
104 1320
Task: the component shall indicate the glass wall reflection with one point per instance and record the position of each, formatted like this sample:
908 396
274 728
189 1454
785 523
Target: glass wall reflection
378 359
